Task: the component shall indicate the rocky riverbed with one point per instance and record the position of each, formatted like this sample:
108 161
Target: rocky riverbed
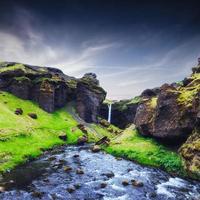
75 173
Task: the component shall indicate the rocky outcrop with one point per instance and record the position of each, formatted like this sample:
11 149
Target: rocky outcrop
190 151
52 89
123 112
89 97
171 114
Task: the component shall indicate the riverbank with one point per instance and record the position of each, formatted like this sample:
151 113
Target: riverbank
145 151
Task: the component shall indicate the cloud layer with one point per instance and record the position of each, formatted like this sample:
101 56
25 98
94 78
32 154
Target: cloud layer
127 59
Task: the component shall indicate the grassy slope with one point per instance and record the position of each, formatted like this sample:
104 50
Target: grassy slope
22 137
145 151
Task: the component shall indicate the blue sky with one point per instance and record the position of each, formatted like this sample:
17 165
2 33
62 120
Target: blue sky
130 45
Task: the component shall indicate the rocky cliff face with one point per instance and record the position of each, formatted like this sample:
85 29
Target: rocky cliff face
52 89
190 151
165 116
89 97
123 112
173 115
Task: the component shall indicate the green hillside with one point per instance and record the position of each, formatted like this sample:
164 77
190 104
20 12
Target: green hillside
22 137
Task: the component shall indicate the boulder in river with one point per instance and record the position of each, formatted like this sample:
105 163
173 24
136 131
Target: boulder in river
67 168
103 185
137 183
125 182
71 189
79 171
95 148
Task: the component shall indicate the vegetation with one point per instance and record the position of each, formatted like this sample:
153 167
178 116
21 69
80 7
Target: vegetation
153 102
189 92
145 151
22 137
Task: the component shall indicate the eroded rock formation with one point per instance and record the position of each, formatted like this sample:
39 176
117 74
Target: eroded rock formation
52 89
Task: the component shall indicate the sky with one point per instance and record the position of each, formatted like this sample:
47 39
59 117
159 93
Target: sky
130 45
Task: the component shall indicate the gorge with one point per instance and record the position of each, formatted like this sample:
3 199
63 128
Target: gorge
41 109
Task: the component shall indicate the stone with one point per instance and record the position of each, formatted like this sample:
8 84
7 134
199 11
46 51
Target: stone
153 195
52 158
32 115
18 111
82 140
103 185
82 128
125 182
137 183
71 189
95 148
2 189
103 140
109 174
77 185
104 123
67 168
79 171
37 194
63 137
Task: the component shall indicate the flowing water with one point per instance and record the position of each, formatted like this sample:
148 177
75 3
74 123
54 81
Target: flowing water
109 112
48 179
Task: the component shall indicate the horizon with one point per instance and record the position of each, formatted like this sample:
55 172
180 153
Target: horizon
130 45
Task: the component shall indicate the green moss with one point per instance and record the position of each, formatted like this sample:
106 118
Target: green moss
135 100
189 92
153 102
22 137
22 78
108 101
145 151
17 66
14 67
72 83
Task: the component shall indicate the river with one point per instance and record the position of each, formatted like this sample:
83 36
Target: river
92 176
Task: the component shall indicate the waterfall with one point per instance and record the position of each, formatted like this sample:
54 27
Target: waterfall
109 112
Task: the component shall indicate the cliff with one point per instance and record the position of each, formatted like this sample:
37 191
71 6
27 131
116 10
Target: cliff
52 89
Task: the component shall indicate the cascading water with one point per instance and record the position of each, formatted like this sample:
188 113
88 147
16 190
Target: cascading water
109 112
